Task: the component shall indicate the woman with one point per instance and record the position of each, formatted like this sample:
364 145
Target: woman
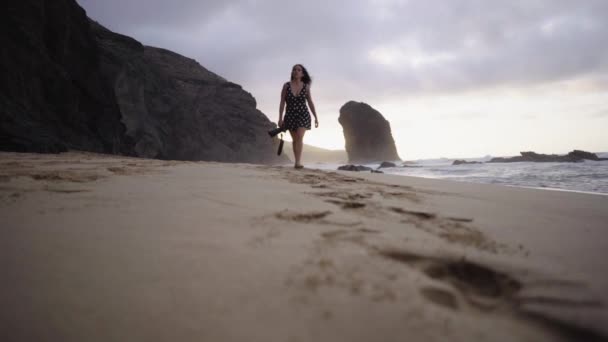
296 93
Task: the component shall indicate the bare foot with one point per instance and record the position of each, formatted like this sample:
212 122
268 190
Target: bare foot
298 166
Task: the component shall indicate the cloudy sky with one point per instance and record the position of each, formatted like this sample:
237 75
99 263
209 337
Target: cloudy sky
455 78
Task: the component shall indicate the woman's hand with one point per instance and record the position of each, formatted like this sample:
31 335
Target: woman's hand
280 124
316 123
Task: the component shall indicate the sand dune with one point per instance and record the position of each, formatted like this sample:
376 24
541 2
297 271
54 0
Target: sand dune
97 247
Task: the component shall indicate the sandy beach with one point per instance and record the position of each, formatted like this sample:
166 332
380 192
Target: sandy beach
108 248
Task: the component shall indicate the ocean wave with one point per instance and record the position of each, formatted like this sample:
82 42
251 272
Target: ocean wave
588 176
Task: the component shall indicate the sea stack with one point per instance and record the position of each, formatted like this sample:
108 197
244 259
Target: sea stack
367 134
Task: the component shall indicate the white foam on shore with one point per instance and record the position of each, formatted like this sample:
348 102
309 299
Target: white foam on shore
557 189
590 177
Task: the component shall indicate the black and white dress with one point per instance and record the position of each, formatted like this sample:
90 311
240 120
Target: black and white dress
297 114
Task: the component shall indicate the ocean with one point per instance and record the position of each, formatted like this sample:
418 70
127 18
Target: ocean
587 176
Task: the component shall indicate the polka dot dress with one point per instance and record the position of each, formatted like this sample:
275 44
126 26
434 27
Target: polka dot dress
297 114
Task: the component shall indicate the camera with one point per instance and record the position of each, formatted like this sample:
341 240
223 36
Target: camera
276 131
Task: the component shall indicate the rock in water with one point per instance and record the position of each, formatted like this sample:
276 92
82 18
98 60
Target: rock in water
350 167
571 157
461 162
367 134
386 164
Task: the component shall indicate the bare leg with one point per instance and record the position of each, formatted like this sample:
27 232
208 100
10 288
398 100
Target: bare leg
294 136
299 145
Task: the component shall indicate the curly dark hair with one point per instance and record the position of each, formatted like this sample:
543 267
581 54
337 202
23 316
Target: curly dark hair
305 77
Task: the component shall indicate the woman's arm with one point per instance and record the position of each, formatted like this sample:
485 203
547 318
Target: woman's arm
311 105
282 105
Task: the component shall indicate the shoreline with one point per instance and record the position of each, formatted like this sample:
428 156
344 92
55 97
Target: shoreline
466 179
102 246
557 189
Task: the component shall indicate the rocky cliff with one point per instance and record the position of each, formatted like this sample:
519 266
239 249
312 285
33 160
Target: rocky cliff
72 84
367 134
174 108
52 94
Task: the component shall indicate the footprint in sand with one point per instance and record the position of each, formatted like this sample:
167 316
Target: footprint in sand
388 192
9 197
440 297
418 214
451 229
66 191
129 171
344 195
482 287
460 219
343 232
320 186
489 291
65 176
316 217
315 178
347 204
302 217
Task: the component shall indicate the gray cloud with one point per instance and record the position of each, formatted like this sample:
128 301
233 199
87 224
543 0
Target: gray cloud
425 46
471 115
130 15
602 114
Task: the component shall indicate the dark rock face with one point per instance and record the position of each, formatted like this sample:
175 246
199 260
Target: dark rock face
69 83
354 168
578 154
173 108
367 134
52 94
574 156
461 162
